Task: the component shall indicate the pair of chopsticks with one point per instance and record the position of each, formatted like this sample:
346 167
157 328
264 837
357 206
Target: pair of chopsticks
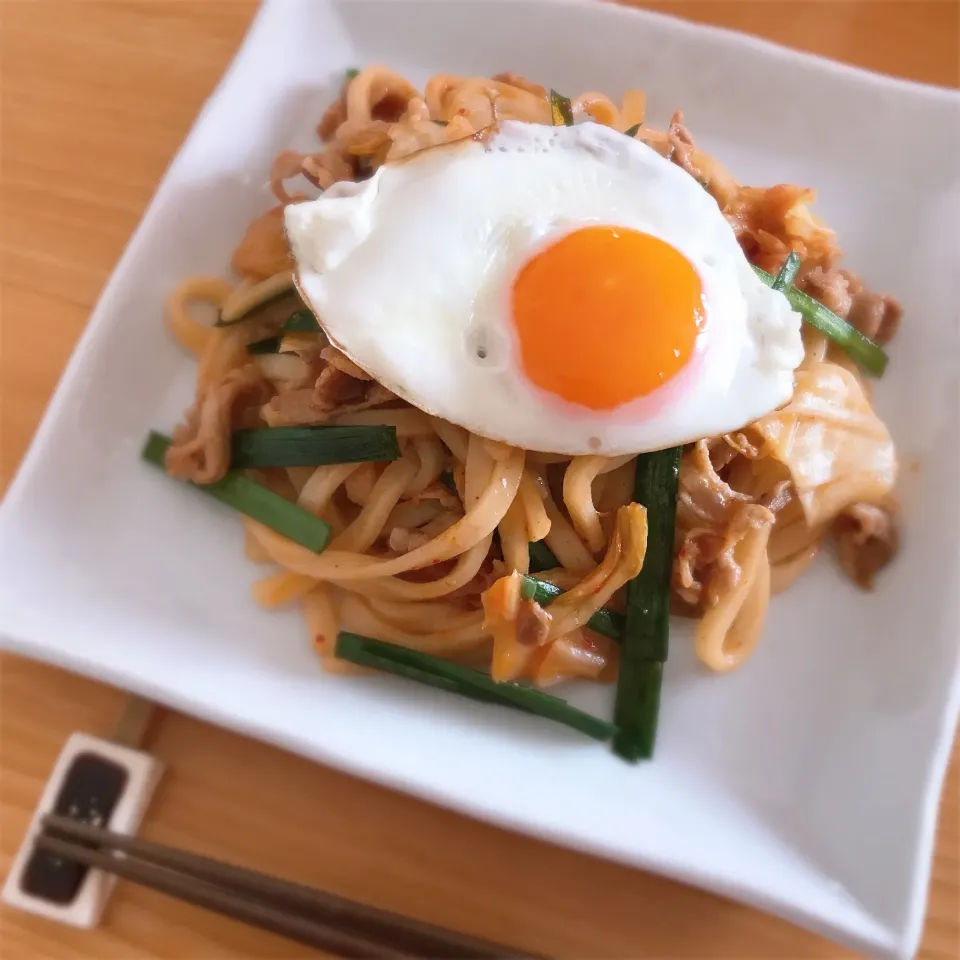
312 917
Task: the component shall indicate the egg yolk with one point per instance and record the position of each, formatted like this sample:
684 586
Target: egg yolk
606 315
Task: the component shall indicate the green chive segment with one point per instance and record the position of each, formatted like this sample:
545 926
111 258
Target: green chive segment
788 272
446 478
266 345
255 500
633 131
303 321
637 742
275 295
561 110
607 622
351 73
541 557
467 682
647 623
864 352
313 446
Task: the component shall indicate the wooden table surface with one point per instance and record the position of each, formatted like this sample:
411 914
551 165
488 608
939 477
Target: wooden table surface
96 99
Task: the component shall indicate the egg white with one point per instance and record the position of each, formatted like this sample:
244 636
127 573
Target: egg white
410 275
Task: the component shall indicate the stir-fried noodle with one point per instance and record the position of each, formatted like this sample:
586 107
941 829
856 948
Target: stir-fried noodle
433 565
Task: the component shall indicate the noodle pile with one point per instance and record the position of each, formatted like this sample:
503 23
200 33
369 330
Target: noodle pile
434 565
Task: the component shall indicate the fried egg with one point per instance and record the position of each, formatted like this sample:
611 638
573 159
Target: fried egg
561 289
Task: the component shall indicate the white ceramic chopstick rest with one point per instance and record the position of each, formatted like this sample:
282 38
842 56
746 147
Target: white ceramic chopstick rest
95 781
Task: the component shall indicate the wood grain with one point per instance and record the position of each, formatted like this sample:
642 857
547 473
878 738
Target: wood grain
96 97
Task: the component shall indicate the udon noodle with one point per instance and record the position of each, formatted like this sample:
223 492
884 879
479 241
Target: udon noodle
434 565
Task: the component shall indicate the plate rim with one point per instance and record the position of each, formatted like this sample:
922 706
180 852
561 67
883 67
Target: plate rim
885 940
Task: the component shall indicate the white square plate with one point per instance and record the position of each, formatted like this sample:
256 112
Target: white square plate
805 784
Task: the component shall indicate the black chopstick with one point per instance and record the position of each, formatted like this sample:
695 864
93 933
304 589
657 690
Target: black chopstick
301 913
210 897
